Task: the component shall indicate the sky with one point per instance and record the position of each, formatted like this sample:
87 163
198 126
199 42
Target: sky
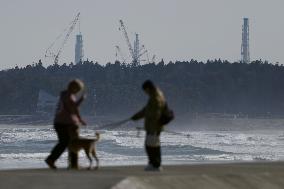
170 29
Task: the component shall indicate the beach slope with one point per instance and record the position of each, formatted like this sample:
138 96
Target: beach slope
227 176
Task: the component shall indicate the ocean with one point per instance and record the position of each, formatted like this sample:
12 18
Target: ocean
26 146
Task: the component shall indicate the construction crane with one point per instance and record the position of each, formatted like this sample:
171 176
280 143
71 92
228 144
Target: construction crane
118 51
70 28
141 52
122 27
153 59
135 52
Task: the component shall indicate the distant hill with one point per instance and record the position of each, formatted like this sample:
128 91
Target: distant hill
190 86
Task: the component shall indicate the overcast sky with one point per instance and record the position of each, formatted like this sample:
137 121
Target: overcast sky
170 29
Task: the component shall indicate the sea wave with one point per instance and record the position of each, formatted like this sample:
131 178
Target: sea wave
30 145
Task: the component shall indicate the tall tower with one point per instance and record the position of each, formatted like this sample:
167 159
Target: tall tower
245 42
136 50
79 54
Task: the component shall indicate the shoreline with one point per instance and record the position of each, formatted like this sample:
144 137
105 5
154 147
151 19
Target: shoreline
167 164
228 175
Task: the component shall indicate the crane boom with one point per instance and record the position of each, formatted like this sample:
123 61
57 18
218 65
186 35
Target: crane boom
142 53
136 51
127 39
56 56
120 53
73 24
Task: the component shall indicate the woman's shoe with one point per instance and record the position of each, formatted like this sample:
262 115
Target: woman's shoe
50 163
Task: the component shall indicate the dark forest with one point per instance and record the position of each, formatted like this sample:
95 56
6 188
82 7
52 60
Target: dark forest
191 87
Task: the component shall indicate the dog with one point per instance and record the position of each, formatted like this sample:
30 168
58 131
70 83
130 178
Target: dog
88 145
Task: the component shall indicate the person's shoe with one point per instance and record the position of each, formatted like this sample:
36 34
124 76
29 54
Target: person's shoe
160 168
149 168
152 168
50 164
73 167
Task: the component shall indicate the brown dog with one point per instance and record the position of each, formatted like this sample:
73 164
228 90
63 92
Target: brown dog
88 145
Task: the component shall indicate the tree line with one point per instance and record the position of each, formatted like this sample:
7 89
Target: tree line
190 87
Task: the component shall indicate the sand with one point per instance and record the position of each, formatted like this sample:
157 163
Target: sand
222 176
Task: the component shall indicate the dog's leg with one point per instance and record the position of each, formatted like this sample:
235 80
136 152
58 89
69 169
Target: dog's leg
87 151
96 158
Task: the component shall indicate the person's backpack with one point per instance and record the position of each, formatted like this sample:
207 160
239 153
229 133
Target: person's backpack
167 115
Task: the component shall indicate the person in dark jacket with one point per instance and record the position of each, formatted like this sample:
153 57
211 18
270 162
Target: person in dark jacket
152 125
66 123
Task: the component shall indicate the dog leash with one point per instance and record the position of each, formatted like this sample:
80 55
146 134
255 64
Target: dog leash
177 133
113 125
167 131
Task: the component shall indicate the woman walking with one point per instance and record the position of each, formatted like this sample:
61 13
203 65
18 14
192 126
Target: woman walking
66 123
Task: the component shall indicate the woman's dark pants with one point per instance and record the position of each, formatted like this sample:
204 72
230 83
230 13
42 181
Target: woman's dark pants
63 141
154 155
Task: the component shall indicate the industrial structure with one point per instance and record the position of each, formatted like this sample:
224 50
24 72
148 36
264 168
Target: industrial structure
79 53
136 51
118 52
245 55
50 50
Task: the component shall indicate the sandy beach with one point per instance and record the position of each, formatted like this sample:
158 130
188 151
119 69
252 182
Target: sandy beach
234 175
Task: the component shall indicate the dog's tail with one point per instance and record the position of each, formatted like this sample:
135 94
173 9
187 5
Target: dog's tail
97 136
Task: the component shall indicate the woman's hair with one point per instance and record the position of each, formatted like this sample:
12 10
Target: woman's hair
76 85
148 84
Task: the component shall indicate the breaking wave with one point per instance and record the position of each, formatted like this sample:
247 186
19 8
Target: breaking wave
22 147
